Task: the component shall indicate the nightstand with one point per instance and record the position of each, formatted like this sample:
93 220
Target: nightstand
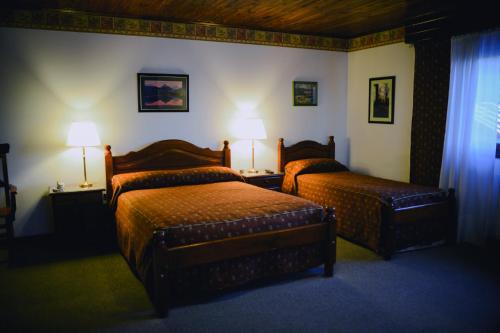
79 214
270 181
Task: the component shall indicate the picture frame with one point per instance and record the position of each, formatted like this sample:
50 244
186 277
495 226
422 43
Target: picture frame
163 92
381 100
305 93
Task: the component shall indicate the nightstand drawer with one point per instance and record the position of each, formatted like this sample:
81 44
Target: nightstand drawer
78 199
79 214
268 181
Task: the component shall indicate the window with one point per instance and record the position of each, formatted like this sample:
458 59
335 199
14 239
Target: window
487 108
472 135
498 131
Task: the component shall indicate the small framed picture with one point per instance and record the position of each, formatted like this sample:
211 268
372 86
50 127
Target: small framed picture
163 92
381 100
305 93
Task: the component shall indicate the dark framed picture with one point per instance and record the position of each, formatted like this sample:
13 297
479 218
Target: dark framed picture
381 100
163 92
305 93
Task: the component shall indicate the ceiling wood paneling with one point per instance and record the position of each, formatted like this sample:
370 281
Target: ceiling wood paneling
331 18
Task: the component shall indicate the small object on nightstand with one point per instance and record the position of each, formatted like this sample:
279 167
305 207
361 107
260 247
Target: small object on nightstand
59 187
266 179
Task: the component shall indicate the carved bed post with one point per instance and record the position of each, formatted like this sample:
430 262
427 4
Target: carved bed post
160 293
331 242
227 154
387 237
451 234
331 146
108 160
281 155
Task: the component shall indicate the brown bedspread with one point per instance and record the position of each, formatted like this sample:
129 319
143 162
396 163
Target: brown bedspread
167 178
358 200
203 212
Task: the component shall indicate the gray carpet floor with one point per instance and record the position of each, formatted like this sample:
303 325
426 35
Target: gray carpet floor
444 289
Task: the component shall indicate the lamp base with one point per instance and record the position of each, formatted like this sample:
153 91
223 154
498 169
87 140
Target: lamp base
252 171
85 185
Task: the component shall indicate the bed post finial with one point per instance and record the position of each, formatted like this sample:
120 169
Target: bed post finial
108 163
281 155
331 146
227 154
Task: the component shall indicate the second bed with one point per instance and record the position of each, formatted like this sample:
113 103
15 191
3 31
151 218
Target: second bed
383 215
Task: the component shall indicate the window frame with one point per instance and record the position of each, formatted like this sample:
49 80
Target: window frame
497 155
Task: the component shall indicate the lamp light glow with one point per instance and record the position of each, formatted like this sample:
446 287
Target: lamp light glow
252 129
83 134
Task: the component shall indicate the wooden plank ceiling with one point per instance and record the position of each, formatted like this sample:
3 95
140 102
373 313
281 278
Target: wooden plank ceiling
332 18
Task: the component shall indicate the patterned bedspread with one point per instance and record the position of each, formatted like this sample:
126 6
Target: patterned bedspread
358 200
204 212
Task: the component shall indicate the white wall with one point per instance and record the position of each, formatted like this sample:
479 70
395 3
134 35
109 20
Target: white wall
382 150
49 79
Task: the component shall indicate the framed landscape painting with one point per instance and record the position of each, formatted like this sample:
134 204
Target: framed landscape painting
305 93
163 92
381 100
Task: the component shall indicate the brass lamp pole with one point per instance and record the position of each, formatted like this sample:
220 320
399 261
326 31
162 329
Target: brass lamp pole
253 170
85 184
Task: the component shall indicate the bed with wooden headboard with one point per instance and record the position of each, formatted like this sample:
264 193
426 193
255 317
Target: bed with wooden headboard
185 220
383 215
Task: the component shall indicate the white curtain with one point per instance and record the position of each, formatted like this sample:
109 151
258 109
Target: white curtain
469 164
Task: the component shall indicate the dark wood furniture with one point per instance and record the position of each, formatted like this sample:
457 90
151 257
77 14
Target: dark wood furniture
178 154
393 219
8 209
270 181
79 213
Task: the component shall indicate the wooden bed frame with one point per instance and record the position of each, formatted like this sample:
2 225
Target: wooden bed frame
391 216
178 154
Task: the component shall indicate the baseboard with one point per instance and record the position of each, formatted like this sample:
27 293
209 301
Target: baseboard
33 239
493 245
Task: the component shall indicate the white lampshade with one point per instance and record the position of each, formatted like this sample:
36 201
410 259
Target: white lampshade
83 134
252 128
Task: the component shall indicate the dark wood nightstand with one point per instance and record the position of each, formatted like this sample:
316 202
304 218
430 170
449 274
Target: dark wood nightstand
270 181
80 214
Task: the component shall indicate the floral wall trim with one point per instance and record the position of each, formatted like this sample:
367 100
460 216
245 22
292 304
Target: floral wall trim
377 39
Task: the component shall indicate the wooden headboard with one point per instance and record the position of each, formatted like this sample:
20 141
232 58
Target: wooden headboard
302 150
166 154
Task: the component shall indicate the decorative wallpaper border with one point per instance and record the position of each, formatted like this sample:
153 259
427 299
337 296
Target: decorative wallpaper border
86 22
377 39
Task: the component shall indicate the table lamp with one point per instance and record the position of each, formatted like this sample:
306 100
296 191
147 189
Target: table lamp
83 134
252 129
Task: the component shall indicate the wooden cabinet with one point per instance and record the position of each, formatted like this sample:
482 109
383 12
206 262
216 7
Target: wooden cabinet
265 180
79 214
